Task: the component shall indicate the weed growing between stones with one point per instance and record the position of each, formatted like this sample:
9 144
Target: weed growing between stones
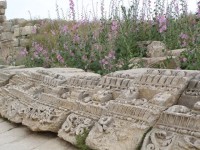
80 139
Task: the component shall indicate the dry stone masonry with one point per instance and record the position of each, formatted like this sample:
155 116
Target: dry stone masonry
124 110
15 36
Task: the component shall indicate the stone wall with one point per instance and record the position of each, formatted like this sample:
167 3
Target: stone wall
14 36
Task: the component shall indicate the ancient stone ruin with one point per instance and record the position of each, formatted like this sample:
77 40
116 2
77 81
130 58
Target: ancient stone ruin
15 36
147 109
126 110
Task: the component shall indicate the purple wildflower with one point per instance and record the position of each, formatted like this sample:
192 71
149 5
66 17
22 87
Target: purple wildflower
64 29
24 52
184 59
114 25
60 58
71 6
183 36
162 23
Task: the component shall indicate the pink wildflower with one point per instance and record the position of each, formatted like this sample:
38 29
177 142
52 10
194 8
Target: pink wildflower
184 59
60 58
71 6
162 23
183 36
24 52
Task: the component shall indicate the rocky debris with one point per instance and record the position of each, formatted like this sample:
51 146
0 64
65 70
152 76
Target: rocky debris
116 110
157 56
156 49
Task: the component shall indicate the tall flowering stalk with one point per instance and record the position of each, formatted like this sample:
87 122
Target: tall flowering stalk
198 10
162 23
72 9
184 38
102 9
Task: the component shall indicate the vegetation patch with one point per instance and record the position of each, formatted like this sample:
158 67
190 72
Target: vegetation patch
80 140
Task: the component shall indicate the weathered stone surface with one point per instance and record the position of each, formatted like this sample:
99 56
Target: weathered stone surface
176 52
7 26
2 18
3 4
27 30
2 11
170 62
15 42
178 128
13 28
24 42
6 36
117 110
191 94
17 32
156 49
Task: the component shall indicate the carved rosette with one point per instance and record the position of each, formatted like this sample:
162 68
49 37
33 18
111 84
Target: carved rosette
73 126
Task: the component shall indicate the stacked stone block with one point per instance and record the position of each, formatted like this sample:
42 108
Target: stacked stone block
14 37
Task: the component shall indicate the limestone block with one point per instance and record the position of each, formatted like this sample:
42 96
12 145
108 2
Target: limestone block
2 11
114 134
6 36
178 128
17 32
27 30
19 21
156 62
3 4
191 93
44 118
176 52
15 42
1 29
156 49
73 126
7 26
13 28
117 109
24 42
2 18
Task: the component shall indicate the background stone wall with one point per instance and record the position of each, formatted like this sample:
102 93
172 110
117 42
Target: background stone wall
14 37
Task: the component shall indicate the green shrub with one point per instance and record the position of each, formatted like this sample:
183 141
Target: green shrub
80 139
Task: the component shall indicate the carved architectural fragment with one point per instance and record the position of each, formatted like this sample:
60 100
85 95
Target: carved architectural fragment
117 109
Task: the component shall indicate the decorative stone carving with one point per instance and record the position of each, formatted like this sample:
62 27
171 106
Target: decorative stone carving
117 109
73 126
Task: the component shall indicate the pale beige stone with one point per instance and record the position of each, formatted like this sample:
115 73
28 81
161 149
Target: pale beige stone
156 49
3 4
27 30
2 11
17 32
15 42
7 26
116 109
2 18
6 36
24 42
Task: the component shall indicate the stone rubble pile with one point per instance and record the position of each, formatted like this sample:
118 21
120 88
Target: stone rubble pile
124 110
